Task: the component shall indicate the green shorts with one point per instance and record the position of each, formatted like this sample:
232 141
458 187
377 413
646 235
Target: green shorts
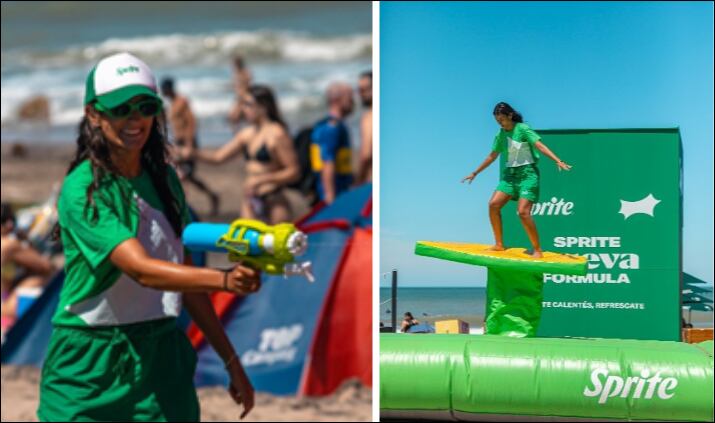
520 182
138 372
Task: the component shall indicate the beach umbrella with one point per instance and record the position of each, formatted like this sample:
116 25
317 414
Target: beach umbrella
689 289
690 279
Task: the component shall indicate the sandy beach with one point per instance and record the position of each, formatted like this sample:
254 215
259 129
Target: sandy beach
28 179
351 402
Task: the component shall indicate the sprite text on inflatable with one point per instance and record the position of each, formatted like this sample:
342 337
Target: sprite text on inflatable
553 207
604 386
485 377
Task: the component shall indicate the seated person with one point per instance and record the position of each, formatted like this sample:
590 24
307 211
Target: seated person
408 322
21 265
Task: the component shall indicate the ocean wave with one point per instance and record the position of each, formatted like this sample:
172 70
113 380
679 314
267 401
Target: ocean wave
207 49
298 91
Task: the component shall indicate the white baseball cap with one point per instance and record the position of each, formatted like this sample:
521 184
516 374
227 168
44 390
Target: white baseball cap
118 78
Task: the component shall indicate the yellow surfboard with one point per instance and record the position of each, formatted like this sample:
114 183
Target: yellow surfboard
512 258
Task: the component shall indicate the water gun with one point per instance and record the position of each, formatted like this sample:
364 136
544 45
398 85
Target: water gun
272 249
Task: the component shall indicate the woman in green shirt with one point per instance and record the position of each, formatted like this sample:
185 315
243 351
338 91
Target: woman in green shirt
116 352
520 146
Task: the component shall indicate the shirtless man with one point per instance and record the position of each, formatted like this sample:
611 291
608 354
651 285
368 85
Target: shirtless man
241 83
183 126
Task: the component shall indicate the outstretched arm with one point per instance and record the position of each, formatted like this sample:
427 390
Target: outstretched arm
548 153
489 160
227 151
29 258
130 257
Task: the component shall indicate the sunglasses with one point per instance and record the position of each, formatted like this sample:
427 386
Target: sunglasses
146 108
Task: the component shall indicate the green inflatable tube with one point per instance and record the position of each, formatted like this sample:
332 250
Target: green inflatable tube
486 377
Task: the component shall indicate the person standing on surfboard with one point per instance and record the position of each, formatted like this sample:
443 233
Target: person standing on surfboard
520 147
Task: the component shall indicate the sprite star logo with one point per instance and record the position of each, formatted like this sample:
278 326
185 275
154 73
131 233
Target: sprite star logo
645 206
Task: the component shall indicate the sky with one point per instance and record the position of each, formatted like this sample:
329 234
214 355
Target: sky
443 67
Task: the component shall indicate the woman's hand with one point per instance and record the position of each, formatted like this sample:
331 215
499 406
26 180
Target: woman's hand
470 177
242 280
562 165
240 387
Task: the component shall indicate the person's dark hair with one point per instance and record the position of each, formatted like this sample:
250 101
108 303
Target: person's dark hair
505 109
366 74
92 146
238 63
6 213
264 96
408 314
167 85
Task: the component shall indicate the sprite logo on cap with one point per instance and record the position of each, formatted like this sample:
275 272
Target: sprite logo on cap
122 71
118 78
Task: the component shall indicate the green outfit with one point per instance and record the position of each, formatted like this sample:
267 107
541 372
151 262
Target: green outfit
519 159
514 298
116 352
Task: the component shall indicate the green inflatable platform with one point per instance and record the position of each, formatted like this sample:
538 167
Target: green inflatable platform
514 281
497 378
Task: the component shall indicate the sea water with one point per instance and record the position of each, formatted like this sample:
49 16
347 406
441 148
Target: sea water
298 49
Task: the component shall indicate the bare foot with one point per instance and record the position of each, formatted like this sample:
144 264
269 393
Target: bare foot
536 254
497 247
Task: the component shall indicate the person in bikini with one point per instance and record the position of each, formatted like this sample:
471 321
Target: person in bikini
271 161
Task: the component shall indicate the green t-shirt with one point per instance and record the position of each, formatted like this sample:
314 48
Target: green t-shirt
95 292
518 144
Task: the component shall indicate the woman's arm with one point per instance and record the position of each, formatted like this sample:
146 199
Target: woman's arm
548 153
204 316
489 160
133 260
27 257
227 151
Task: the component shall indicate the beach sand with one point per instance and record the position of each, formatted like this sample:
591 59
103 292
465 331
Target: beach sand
351 402
27 180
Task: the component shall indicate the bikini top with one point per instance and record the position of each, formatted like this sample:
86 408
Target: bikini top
262 155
